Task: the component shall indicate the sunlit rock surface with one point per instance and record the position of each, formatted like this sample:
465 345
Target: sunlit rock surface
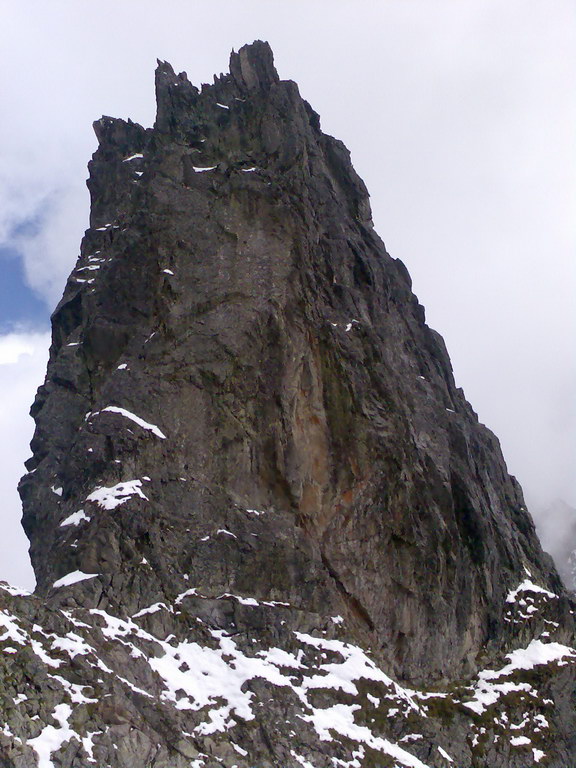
268 530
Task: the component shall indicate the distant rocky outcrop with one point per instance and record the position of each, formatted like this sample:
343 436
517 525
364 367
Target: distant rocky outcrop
267 527
557 531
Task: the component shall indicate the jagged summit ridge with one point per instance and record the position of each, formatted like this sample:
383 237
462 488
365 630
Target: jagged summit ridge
253 67
267 527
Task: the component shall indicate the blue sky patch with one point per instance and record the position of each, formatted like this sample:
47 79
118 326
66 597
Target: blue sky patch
19 304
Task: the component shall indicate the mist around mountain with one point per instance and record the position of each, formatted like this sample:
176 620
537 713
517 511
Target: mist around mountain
556 527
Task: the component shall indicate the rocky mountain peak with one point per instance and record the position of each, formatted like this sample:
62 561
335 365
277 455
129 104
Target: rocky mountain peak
267 527
252 68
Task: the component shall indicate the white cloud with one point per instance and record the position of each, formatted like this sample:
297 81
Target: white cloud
23 357
15 346
49 253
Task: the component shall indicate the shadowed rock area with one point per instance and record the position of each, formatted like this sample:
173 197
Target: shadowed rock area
267 527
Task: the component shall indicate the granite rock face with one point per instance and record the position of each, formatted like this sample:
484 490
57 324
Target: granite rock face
267 528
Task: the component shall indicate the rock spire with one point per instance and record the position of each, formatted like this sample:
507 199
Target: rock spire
267 527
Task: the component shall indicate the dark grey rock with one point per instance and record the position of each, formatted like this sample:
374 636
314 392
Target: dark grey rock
252 445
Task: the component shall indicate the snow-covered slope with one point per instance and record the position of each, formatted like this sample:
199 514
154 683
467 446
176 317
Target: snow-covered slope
164 686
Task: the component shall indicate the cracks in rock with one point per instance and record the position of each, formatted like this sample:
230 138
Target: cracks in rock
355 606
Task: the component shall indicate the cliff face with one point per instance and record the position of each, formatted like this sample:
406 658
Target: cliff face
256 491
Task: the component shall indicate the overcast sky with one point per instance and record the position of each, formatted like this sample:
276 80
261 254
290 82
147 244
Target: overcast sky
460 116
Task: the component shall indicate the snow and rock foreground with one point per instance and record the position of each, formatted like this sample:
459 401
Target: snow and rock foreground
84 687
